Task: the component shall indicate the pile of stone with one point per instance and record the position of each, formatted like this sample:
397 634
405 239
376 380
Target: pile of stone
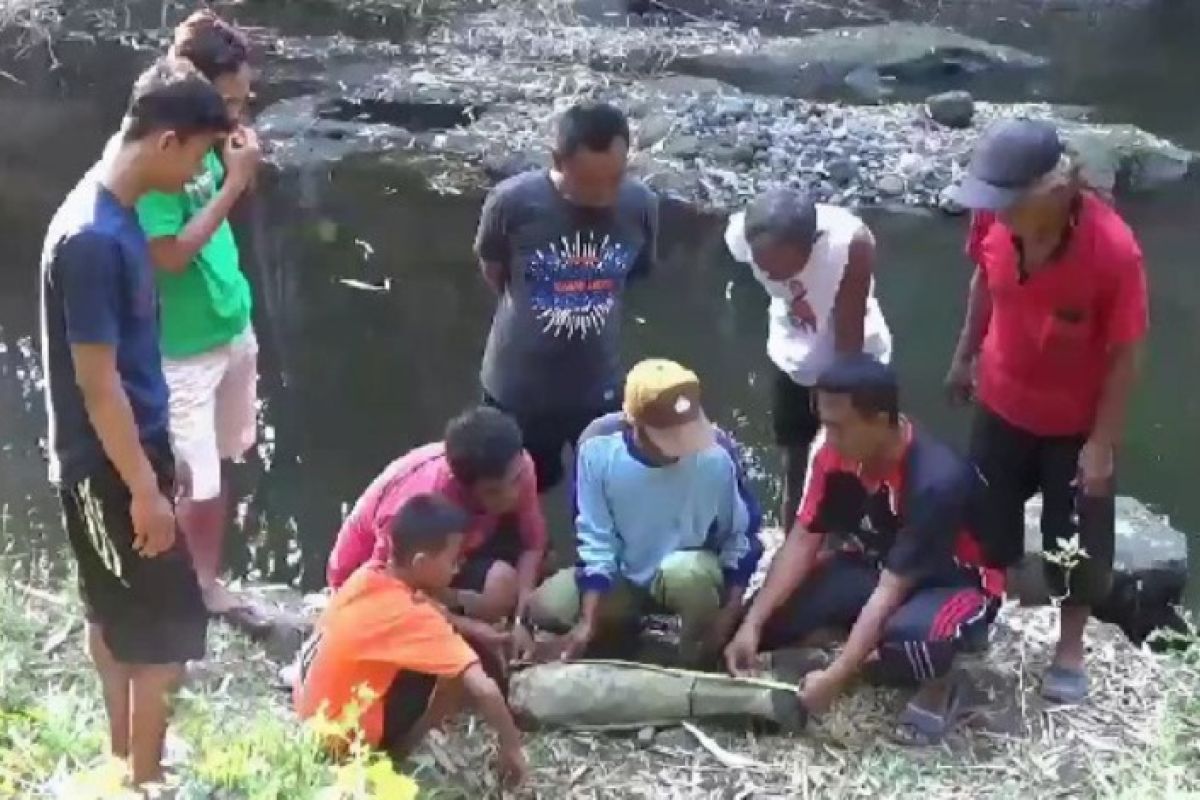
477 100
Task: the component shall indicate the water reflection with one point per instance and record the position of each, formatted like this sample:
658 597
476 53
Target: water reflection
354 376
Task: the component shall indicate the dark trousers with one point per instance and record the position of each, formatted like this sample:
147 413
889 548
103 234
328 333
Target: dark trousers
921 637
1016 465
546 433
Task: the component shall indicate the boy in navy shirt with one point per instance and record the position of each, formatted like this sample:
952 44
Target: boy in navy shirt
107 407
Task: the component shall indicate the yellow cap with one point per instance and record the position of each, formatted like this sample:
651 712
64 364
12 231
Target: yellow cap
663 398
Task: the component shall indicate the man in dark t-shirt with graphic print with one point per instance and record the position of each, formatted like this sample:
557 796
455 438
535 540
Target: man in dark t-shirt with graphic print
880 547
558 246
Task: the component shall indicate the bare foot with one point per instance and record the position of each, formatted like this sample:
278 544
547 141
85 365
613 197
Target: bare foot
219 600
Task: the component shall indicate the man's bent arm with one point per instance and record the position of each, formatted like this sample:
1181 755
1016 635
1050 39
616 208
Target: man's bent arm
111 415
488 700
495 274
868 628
787 572
850 305
975 323
529 567
175 253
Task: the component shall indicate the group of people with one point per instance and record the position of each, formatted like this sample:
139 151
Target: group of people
440 572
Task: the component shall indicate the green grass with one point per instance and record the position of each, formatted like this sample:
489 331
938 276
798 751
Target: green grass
237 737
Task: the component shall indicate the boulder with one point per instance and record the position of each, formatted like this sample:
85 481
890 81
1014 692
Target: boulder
953 109
863 61
1150 569
652 130
1126 157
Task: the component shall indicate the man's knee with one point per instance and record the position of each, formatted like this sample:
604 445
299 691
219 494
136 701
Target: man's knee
690 583
555 604
499 598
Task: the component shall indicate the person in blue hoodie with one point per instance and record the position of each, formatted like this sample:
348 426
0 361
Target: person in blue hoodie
662 523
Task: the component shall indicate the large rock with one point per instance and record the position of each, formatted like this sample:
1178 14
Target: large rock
1150 569
1126 157
952 109
863 61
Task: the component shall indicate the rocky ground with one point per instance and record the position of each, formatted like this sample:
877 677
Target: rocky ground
475 101
1011 744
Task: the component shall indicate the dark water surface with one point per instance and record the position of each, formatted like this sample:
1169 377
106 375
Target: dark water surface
351 378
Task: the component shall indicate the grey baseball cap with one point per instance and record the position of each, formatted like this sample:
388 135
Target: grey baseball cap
1010 157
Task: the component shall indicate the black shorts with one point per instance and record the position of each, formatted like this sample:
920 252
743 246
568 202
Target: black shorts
404 703
919 640
1016 465
503 547
149 610
794 417
546 433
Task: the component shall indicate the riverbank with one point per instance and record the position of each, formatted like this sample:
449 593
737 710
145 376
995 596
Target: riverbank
1136 738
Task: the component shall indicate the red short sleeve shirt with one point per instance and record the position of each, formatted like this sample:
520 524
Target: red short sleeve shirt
1046 352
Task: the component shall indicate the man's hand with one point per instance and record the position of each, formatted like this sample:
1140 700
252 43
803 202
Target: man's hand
1096 467
513 766
576 642
960 382
741 655
481 635
521 643
819 690
241 156
153 522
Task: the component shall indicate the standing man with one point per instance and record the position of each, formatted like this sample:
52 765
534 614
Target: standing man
557 247
107 405
210 353
1049 350
817 264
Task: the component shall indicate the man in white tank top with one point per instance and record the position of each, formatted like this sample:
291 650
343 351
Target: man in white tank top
817 264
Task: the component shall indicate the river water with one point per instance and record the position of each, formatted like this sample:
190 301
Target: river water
352 377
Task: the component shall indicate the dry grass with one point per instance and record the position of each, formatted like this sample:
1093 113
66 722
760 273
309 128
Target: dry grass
1134 738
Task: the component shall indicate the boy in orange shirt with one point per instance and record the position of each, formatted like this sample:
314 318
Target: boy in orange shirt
383 633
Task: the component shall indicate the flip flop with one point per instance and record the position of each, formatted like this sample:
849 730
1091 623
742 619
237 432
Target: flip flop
1064 686
920 727
789 712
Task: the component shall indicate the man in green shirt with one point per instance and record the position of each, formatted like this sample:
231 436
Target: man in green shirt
208 345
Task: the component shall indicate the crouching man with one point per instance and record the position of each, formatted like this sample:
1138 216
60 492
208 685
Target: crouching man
880 548
386 651
661 524
481 467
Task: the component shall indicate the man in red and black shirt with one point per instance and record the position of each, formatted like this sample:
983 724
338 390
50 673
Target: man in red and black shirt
880 546
1049 350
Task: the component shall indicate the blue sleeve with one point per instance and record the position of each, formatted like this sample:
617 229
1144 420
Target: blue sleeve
87 271
595 531
728 536
740 576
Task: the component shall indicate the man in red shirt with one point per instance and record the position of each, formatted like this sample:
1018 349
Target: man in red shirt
1049 350
481 467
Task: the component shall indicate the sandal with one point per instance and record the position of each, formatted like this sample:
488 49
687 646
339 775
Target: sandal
920 727
1064 685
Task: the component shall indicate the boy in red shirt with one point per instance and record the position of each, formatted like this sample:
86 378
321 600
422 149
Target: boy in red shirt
1049 350
384 633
